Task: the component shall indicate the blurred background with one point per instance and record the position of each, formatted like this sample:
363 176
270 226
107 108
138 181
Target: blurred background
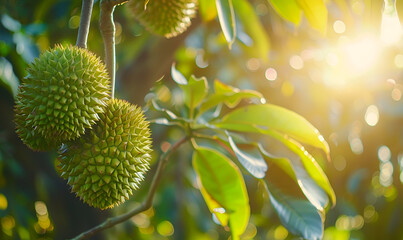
347 82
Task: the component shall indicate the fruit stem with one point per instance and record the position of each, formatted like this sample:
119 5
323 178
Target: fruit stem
85 22
107 27
148 201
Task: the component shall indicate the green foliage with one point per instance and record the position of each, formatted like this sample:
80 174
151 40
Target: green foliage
217 172
223 183
316 13
289 10
365 165
299 216
270 117
226 16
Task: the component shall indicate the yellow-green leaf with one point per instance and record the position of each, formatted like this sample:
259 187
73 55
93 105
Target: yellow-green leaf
194 91
316 13
254 29
207 10
214 207
224 183
268 116
288 9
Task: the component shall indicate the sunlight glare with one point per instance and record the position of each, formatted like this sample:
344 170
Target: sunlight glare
361 55
399 60
391 30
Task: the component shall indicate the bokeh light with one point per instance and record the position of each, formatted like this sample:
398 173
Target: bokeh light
339 27
372 115
271 74
165 228
296 62
384 153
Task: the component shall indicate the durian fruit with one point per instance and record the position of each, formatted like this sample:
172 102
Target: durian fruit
107 164
164 17
62 95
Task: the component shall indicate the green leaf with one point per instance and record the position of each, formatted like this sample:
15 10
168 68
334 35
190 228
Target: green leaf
178 76
251 160
194 92
267 116
294 168
214 207
167 112
7 76
228 95
298 216
208 10
316 13
226 17
223 181
253 28
310 164
164 121
289 10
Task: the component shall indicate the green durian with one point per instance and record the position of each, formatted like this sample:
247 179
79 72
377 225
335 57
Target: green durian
164 17
63 94
107 164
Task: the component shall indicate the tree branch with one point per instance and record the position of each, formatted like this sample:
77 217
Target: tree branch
85 21
146 204
107 27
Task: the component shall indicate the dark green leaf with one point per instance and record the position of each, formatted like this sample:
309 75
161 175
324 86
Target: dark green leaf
310 164
289 10
226 16
294 168
251 160
267 116
224 183
298 216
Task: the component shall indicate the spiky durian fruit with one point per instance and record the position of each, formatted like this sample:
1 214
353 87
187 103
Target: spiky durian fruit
106 165
64 92
164 17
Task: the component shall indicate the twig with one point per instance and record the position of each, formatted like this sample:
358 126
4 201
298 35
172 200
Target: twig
146 204
85 22
107 27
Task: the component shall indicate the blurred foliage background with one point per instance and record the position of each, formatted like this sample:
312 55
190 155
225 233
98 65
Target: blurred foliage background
357 108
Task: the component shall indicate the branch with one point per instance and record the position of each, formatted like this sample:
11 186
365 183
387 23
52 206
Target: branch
85 21
146 204
107 27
